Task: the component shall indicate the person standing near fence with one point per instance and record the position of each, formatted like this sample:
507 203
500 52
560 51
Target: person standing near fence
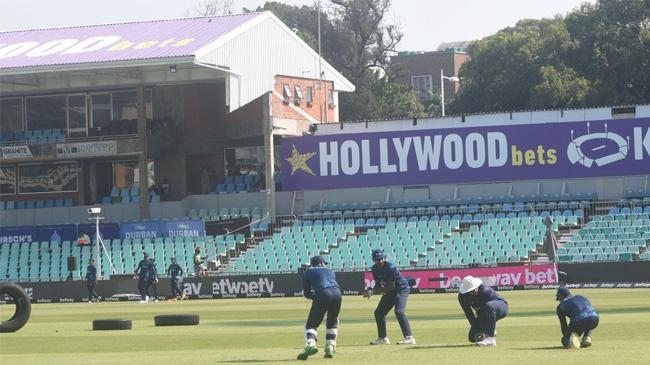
145 274
153 281
91 281
199 267
175 271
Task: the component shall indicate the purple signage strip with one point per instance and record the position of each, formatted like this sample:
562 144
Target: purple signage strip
462 155
183 228
137 230
108 231
114 42
22 234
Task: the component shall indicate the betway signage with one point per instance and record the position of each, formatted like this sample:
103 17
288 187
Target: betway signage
86 149
476 154
501 276
233 287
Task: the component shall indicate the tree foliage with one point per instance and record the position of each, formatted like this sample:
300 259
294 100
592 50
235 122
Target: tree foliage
597 55
357 42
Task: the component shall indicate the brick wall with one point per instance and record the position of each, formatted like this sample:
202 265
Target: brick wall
297 108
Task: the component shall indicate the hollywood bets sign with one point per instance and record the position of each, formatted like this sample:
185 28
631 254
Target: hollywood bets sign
472 154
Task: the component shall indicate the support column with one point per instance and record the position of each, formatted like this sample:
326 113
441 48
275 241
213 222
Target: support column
269 158
142 157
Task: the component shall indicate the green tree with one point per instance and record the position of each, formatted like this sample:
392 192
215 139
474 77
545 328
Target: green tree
597 55
357 42
612 50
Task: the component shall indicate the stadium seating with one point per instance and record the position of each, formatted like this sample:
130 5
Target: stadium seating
417 236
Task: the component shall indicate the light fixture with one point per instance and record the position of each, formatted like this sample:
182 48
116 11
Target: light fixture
172 68
453 79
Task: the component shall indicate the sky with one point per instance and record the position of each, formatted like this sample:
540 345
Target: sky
425 23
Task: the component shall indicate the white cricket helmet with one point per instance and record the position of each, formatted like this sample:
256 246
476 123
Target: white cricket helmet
469 283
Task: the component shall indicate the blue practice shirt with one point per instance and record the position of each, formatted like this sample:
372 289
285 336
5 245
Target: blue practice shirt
91 273
145 269
316 279
174 271
387 273
576 308
468 301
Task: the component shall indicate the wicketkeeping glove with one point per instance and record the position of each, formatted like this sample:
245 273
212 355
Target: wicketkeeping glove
368 293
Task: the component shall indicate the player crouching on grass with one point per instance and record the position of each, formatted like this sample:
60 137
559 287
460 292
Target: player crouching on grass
490 307
319 284
583 318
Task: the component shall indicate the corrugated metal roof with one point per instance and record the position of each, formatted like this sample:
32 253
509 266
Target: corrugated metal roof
114 42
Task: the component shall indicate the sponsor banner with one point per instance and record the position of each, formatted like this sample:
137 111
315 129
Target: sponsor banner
504 277
22 234
462 155
131 230
184 228
114 42
86 149
245 286
24 152
13 152
59 232
228 226
252 286
108 231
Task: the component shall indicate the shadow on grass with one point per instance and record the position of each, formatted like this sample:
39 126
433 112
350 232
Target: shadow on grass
540 348
246 361
437 347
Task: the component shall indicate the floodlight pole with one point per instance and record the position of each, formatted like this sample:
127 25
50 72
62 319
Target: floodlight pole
453 79
99 246
98 255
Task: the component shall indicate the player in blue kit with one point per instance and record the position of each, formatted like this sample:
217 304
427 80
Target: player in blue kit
91 281
145 273
489 306
319 285
175 271
583 318
395 291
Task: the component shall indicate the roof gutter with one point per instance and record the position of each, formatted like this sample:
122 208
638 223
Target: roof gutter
93 65
218 68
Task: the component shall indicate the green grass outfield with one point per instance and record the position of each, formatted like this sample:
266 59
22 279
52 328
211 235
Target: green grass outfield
242 331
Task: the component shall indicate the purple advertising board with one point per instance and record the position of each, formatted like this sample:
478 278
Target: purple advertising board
58 232
463 155
131 230
22 234
114 42
108 231
184 228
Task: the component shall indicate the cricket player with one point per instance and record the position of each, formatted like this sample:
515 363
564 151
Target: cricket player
145 273
583 318
473 296
91 281
395 291
319 285
175 271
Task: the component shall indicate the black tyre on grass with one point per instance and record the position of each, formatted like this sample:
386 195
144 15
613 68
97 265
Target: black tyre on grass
23 307
176 320
112 324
